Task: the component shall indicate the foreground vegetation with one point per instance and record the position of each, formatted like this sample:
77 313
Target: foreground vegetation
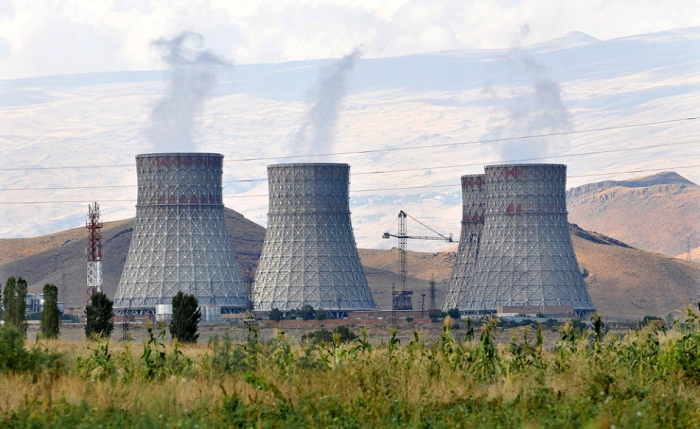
645 378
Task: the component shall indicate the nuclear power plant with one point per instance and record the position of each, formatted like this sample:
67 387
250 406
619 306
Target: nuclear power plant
309 256
525 261
473 212
180 241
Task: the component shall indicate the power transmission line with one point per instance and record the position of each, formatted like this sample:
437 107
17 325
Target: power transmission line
573 155
368 151
393 188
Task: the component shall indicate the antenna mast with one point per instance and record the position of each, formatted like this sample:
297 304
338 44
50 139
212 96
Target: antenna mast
94 252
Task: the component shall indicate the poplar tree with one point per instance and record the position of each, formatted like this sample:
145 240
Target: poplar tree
16 304
50 314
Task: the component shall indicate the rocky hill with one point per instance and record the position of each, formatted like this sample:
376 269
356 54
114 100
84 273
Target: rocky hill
624 282
655 213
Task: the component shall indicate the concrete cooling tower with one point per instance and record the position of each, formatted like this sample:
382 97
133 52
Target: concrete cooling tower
473 211
526 262
309 256
180 241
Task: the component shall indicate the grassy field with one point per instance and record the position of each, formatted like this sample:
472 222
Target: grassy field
586 378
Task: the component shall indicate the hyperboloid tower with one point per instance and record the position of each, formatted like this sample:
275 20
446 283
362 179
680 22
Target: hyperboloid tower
473 212
309 256
526 261
180 241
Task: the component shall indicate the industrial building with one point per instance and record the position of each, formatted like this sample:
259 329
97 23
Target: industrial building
309 256
180 242
525 262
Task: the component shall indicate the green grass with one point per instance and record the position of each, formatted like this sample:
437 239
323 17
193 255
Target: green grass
645 378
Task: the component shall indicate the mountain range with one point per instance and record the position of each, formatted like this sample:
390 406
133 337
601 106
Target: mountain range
409 127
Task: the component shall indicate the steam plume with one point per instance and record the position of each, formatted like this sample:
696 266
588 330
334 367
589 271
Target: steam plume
325 99
192 76
537 109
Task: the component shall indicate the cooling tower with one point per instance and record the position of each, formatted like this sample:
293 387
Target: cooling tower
473 210
309 256
179 241
526 261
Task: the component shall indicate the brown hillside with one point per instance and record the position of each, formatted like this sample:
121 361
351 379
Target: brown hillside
623 282
60 258
653 212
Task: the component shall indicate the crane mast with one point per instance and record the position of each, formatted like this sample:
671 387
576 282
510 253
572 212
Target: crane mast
401 299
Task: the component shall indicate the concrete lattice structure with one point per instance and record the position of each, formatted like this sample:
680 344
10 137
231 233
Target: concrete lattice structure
473 213
309 256
180 242
526 258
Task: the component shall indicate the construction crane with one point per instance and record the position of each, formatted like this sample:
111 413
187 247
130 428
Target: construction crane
401 299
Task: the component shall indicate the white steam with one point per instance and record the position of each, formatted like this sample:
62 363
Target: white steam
534 110
318 129
192 76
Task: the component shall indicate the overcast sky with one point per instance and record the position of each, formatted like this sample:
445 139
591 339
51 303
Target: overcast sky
46 37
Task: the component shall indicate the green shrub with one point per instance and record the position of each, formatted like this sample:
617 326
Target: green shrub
346 335
100 317
306 312
15 358
186 317
275 315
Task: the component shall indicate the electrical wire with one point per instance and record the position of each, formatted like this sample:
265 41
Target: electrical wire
447 185
402 170
368 151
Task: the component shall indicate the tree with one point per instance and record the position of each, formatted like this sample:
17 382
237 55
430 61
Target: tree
453 313
16 304
50 314
186 317
100 315
306 312
275 314
321 314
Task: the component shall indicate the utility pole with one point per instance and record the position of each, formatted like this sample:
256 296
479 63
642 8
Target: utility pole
393 302
688 248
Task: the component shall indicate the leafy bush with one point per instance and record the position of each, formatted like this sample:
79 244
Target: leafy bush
346 335
186 317
306 312
275 315
15 358
454 313
100 317
321 314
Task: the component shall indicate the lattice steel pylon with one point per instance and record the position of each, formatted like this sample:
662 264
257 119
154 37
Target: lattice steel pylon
473 212
180 242
94 252
526 259
309 256
401 300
